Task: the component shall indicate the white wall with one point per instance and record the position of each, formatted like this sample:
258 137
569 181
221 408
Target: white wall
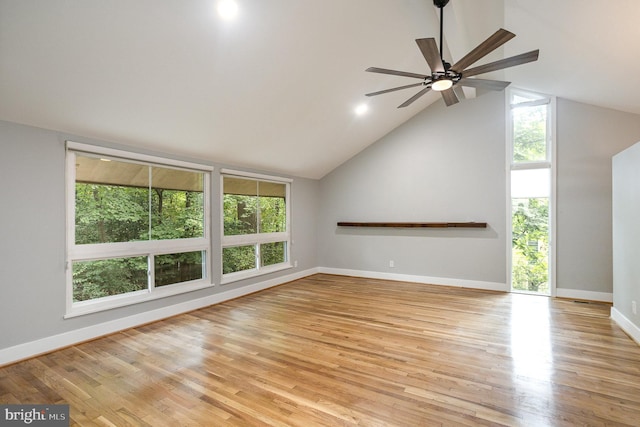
32 248
588 136
626 240
444 164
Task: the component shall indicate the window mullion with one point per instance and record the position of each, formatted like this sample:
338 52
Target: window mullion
151 273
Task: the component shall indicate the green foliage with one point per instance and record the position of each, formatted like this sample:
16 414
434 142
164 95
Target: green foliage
177 268
530 244
101 278
251 215
240 214
111 213
238 258
529 134
273 218
272 253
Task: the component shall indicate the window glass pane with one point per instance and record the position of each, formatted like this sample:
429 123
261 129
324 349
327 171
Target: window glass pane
272 253
240 215
530 134
101 278
530 183
238 258
177 204
112 201
530 245
176 268
273 212
240 206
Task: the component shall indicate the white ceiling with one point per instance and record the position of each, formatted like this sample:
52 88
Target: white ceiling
275 89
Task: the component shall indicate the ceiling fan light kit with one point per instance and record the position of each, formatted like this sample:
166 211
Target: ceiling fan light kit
444 76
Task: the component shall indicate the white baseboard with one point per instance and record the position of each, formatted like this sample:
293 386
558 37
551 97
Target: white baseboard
629 327
444 281
48 344
584 295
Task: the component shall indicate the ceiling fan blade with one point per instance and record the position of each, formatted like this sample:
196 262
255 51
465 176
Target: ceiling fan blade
414 97
393 89
396 73
459 92
429 50
523 58
484 84
449 97
498 38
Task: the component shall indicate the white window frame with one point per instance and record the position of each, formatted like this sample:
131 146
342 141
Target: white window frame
548 163
258 238
149 248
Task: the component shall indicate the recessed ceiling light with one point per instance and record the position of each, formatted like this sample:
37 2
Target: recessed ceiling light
362 109
227 9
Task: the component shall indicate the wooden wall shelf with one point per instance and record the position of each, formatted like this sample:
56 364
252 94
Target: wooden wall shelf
415 224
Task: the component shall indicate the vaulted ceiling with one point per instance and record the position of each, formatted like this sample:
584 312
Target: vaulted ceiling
275 88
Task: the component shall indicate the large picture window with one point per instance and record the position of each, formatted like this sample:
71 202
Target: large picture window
255 226
137 225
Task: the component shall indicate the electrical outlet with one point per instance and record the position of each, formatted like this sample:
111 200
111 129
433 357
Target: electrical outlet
634 307
391 264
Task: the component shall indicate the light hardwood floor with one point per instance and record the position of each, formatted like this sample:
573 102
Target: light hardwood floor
333 350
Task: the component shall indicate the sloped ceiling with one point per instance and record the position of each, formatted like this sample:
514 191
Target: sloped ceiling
275 89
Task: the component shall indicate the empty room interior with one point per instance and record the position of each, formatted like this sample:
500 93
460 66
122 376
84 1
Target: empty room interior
319 213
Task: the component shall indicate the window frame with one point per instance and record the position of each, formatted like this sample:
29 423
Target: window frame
255 239
148 248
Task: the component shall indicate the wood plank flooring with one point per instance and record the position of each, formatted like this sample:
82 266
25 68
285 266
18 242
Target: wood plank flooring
339 351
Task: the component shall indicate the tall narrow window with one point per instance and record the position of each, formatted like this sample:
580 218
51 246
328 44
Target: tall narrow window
531 124
135 226
256 235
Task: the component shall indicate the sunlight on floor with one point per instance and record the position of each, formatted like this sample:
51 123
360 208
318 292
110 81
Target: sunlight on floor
531 337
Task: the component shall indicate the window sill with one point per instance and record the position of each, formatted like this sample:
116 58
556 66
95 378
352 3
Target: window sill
116 301
247 274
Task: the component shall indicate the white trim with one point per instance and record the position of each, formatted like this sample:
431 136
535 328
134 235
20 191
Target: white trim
137 248
128 155
626 325
254 272
508 203
530 165
122 300
260 176
584 295
553 208
442 281
252 239
533 103
48 344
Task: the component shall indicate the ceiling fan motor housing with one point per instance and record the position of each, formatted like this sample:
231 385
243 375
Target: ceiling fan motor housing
440 3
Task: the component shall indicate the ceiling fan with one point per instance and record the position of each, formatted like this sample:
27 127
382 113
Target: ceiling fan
445 76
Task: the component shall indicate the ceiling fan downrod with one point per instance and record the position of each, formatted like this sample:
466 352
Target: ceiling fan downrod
440 4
